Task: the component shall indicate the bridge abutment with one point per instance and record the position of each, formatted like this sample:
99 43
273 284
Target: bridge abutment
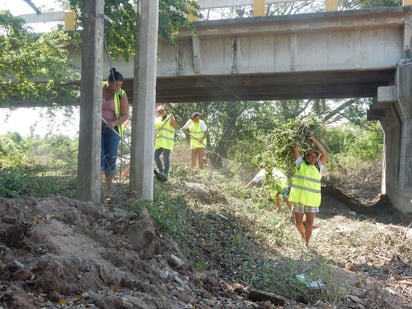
404 91
393 109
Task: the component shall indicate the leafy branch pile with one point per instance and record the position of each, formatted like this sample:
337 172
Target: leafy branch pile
280 143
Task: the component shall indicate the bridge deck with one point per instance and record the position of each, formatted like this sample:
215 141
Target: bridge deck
321 55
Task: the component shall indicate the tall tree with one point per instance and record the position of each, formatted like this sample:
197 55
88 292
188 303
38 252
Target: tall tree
32 66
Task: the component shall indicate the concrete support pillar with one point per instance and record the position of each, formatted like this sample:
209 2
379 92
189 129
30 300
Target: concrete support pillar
144 98
88 167
405 104
392 109
402 195
391 123
259 7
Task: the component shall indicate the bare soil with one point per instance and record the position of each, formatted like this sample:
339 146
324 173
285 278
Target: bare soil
63 253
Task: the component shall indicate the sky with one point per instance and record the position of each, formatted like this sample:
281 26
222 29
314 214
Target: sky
38 122
20 7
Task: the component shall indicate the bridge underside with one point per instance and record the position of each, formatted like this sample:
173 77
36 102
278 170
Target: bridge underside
279 86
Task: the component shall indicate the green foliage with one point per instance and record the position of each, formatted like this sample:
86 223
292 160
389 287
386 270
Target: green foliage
368 145
339 139
173 15
353 148
32 66
168 211
11 182
235 128
62 151
27 166
19 182
15 151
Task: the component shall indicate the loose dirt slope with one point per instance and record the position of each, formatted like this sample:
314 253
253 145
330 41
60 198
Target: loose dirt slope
62 253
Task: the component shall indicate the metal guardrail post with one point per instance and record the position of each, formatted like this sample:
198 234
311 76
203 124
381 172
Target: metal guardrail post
332 5
259 7
69 20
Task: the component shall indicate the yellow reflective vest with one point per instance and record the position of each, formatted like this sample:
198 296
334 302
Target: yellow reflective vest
305 187
196 134
164 133
118 94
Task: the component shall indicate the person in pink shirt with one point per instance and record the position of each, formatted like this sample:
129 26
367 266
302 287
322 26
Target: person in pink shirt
115 112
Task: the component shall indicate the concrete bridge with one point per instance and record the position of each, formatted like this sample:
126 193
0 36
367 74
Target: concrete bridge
347 54
321 55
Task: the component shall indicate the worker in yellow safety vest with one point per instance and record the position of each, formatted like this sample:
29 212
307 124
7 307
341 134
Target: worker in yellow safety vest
198 131
305 193
165 127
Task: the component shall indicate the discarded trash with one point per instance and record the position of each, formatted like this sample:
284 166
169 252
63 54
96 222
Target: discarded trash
302 279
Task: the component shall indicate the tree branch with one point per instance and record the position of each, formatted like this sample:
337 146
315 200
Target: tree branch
33 6
338 109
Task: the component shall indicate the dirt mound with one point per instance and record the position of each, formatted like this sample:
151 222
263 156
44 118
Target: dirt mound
60 252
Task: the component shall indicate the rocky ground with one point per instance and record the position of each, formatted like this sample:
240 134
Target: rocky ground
62 253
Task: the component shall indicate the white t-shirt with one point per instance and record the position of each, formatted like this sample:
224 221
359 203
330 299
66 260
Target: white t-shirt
300 160
277 174
203 125
259 176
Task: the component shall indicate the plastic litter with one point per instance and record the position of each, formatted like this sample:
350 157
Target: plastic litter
303 279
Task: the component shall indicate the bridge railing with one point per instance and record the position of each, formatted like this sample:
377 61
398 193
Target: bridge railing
48 20
258 7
